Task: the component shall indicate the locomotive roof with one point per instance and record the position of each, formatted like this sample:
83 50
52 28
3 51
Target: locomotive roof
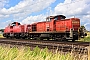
15 23
56 16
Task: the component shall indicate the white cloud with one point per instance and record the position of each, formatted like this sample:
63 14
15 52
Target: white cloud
77 8
3 3
72 7
23 9
87 26
27 7
33 19
4 24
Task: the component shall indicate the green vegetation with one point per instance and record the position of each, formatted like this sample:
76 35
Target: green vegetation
1 36
2 30
87 38
26 54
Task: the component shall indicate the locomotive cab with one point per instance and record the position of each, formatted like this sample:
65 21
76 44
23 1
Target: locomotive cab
11 30
14 24
58 17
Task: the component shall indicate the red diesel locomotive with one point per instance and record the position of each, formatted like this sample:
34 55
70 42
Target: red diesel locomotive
55 27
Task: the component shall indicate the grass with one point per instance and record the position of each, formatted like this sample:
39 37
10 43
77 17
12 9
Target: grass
1 36
37 54
87 38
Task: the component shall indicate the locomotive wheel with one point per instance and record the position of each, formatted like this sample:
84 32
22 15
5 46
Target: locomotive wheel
73 40
37 38
47 38
7 37
23 37
41 38
17 37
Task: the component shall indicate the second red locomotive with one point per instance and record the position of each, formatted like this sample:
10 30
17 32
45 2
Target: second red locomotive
55 27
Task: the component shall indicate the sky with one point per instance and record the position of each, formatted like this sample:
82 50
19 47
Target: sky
30 11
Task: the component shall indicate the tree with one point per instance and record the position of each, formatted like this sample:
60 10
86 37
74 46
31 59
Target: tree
83 27
2 30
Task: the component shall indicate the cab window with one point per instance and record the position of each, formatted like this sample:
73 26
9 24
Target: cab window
56 18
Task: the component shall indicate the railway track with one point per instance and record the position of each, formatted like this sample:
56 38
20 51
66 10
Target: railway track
77 47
